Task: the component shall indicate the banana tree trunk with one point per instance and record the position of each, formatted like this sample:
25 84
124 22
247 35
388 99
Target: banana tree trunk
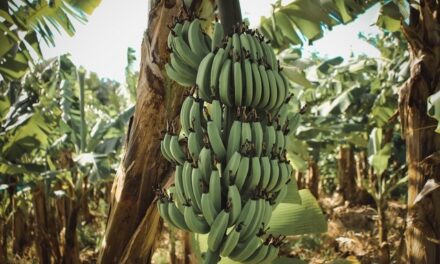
347 173
133 223
423 219
313 178
46 240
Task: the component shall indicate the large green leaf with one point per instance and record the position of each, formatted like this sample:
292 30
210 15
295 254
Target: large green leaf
28 133
298 219
32 18
292 196
390 16
378 154
303 21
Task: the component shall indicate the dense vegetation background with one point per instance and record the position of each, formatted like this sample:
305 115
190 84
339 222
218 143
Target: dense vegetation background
364 140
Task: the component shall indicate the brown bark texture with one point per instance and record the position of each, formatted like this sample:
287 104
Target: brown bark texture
347 174
71 246
46 237
384 257
313 178
423 219
134 223
20 231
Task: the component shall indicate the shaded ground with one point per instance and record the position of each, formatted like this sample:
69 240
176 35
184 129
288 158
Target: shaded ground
351 236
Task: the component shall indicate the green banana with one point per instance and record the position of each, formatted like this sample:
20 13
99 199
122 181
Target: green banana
253 48
196 182
258 255
244 41
165 148
242 172
273 90
195 223
280 140
187 183
203 75
215 190
185 121
245 250
248 81
247 216
232 167
272 254
234 139
178 77
194 145
269 55
257 85
184 51
267 213
228 48
216 140
238 83
217 36
284 176
196 39
265 96
205 163
208 40
265 172
196 115
181 67
218 230
176 151
257 137
208 210
178 181
176 30
185 29
216 68
177 217
269 138
254 174
281 195
162 206
275 174
236 46
210 257
260 52
217 113
234 200
246 132
231 241
258 217
225 83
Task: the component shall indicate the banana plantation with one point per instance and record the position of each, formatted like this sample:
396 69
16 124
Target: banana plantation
224 141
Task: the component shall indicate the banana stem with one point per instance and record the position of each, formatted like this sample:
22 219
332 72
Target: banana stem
230 14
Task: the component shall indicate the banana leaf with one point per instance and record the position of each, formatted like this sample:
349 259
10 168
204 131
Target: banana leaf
298 219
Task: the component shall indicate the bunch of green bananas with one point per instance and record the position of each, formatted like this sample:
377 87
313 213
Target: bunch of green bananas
230 157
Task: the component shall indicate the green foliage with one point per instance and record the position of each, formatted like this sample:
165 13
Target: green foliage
44 119
297 219
304 21
25 23
347 101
